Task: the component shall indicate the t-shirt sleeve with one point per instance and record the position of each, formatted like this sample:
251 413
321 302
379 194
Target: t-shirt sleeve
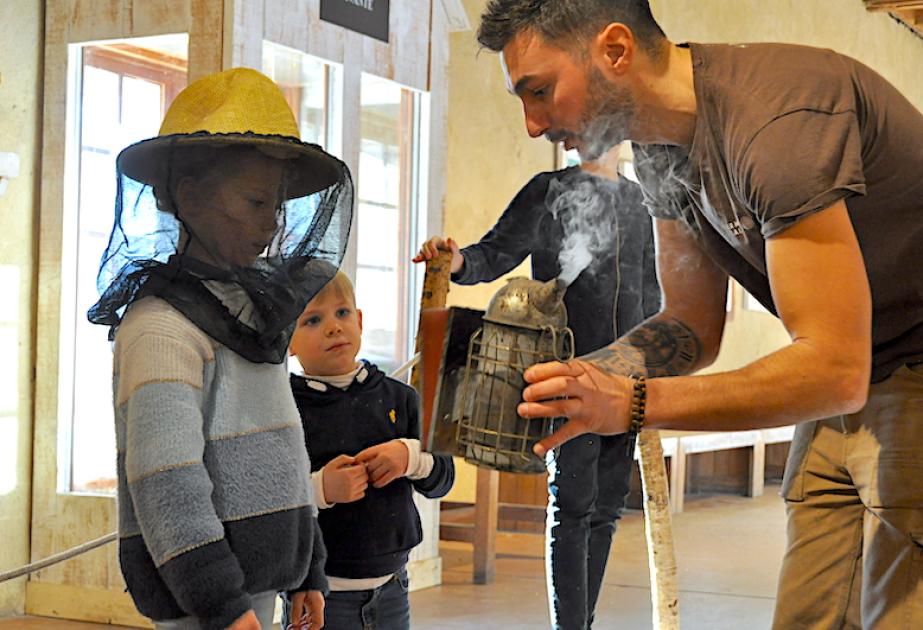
799 164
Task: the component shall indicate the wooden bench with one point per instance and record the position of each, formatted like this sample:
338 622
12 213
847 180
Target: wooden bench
678 445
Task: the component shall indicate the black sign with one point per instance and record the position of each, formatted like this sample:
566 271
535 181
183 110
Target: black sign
369 17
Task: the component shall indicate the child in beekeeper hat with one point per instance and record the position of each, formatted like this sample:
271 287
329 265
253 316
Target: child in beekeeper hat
226 225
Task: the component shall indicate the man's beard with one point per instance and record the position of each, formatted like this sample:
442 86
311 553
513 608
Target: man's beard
609 113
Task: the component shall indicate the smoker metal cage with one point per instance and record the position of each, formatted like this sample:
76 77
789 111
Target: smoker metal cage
489 431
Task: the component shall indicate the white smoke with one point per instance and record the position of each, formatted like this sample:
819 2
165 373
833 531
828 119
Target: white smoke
589 222
664 171
602 133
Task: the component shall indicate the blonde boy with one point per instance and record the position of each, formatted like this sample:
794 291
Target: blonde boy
362 430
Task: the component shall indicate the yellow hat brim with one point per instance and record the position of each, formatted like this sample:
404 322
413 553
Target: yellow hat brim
314 169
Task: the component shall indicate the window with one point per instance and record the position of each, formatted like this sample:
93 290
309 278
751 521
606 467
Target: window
389 190
314 91
117 94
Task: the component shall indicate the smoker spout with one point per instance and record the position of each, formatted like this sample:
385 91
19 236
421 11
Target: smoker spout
548 296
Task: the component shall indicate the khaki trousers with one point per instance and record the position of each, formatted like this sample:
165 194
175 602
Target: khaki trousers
854 499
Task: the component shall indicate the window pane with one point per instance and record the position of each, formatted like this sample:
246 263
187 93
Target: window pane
381 216
313 89
100 108
123 90
307 83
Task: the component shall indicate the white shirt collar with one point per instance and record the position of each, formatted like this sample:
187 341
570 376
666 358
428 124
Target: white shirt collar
342 381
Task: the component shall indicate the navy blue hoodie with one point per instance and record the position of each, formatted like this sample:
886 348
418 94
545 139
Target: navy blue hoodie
371 537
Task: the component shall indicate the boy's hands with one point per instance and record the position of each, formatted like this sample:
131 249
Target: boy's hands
385 462
430 249
345 480
246 621
307 611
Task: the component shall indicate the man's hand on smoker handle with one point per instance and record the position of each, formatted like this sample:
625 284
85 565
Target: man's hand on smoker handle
593 401
430 249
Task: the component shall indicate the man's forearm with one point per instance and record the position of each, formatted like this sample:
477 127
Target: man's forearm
659 346
797 383
800 382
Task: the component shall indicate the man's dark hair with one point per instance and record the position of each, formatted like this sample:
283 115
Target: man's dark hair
568 21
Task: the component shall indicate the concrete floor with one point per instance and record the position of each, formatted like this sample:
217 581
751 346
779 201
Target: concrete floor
728 551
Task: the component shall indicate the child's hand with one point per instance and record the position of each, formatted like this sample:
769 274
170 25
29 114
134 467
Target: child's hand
385 462
307 611
246 621
345 480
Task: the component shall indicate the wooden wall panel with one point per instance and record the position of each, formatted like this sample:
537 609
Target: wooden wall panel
404 59
89 20
718 471
243 46
776 455
155 17
206 47
439 119
523 490
59 16
297 24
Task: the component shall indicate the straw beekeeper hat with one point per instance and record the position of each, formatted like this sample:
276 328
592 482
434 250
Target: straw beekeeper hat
235 107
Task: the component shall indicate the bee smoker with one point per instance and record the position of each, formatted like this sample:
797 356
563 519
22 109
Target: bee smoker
525 323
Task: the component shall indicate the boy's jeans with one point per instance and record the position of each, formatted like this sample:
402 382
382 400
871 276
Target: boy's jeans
384 608
854 499
587 486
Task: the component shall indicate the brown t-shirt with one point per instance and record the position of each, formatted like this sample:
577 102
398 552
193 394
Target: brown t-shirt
782 132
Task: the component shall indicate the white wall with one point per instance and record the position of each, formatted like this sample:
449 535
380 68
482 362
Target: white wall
20 115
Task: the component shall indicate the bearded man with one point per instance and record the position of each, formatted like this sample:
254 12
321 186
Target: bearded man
796 171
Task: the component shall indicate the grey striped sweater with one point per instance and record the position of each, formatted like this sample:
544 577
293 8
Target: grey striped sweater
215 499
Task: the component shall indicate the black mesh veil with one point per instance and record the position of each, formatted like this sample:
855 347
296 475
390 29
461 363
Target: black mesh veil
237 232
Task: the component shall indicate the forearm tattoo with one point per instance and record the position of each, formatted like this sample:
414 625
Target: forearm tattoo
659 347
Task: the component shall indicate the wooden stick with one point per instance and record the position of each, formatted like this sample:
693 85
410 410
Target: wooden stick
435 294
659 532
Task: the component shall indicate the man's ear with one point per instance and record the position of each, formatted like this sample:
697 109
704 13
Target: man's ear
614 48
359 317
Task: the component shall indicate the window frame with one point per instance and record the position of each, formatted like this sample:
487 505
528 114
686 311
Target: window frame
413 143
126 61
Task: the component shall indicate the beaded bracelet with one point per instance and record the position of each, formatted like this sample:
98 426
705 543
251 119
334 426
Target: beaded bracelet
638 403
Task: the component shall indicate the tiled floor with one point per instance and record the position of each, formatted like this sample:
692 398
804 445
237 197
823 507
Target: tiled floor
728 551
